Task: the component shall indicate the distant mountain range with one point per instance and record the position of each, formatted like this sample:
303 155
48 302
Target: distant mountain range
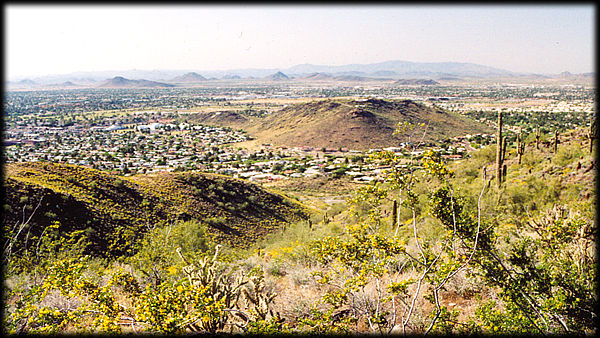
121 82
389 70
400 69
345 77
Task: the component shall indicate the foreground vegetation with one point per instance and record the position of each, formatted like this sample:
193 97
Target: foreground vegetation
435 248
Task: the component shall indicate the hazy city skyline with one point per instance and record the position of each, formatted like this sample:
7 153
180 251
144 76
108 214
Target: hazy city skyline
45 40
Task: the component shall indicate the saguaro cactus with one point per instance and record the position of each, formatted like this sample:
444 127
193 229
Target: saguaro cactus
537 138
520 147
502 158
555 141
394 214
591 133
499 147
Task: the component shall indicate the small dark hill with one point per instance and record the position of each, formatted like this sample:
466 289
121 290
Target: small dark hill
27 82
416 82
189 78
66 84
114 212
279 76
318 77
121 82
231 77
574 77
449 78
357 124
352 78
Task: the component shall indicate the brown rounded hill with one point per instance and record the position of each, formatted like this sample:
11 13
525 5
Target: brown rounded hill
359 124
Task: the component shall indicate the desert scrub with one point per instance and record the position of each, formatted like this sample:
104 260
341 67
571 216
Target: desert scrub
155 256
566 154
205 295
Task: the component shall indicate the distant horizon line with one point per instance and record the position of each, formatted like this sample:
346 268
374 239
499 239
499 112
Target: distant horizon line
26 77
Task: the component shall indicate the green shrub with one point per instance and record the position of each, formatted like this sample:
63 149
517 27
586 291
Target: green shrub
484 156
215 221
566 154
155 256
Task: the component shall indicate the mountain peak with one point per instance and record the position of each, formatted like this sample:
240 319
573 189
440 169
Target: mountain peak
120 82
188 77
278 76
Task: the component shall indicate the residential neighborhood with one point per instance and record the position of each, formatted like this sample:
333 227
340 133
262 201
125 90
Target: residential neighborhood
143 131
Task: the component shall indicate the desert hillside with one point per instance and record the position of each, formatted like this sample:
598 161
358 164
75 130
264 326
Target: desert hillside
114 212
358 124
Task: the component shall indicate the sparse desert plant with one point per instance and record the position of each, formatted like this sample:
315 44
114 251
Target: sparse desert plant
276 268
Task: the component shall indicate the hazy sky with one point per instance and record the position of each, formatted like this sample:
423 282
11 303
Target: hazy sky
42 40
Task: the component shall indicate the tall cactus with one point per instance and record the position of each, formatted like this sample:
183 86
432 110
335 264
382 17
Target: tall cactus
520 147
394 214
591 133
537 138
555 141
499 147
504 146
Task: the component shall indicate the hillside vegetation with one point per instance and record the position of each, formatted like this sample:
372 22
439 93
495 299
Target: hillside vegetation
115 212
461 256
221 118
436 248
357 124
